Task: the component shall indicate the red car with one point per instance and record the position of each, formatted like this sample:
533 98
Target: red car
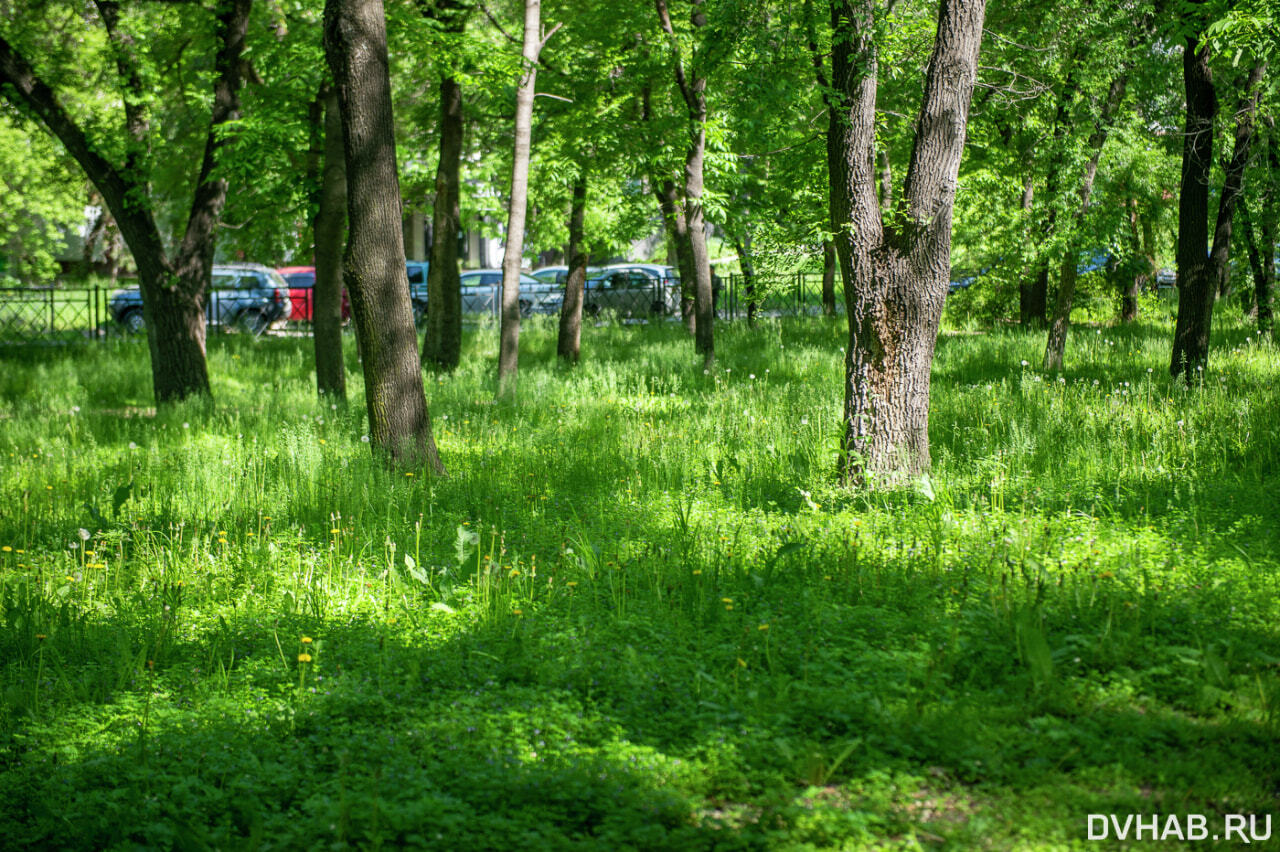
302 282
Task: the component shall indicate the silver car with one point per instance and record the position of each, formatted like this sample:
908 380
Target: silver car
633 290
482 293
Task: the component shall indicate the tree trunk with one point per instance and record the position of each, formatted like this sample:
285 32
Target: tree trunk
1026 286
330 231
678 234
569 343
443 345
1200 277
174 289
742 245
1141 239
693 88
896 271
828 278
355 39
1056 343
1266 285
509 347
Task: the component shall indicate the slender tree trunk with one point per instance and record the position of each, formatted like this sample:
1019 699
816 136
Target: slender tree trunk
1265 287
742 245
1200 277
374 264
1026 285
678 234
895 272
1141 239
443 345
828 278
509 347
330 232
693 88
569 343
1056 343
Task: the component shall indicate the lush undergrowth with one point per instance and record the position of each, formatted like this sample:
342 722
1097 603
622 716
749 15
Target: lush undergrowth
638 613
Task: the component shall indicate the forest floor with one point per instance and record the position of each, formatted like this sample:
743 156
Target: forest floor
640 613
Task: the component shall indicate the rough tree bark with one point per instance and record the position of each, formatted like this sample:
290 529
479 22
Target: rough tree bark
569 342
330 230
895 268
355 40
443 345
693 88
174 286
677 228
1200 276
1056 342
509 345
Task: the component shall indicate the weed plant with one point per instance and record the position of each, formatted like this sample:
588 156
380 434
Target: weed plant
639 613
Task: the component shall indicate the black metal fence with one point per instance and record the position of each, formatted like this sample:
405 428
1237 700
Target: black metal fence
55 314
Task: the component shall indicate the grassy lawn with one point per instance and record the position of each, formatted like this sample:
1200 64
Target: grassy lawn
638 614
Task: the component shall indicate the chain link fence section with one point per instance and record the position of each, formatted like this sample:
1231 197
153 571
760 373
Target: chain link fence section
53 314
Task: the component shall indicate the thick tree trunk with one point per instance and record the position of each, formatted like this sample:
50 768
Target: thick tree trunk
374 264
1200 277
330 231
895 273
569 343
509 345
1056 343
174 290
443 346
828 278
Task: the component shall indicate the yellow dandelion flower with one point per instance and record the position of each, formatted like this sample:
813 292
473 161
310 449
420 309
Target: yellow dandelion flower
517 612
306 640
763 627
515 572
304 658
41 636
7 549
222 541
728 607
410 473
70 579
697 571
333 532
742 662
571 583
726 600
250 533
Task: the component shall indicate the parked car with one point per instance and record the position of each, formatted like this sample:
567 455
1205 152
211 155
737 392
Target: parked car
302 282
560 274
246 296
482 293
633 289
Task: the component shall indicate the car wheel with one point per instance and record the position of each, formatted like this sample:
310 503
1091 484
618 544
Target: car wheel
419 314
133 321
252 321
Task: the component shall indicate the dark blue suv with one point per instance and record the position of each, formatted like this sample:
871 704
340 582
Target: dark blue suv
244 296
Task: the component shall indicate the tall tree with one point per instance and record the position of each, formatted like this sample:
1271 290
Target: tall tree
443 345
175 282
895 268
1056 342
374 265
1200 275
692 83
330 229
569 340
509 344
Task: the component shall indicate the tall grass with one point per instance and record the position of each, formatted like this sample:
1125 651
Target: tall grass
639 612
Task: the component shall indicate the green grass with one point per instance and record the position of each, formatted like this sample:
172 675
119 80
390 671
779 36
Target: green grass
638 613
